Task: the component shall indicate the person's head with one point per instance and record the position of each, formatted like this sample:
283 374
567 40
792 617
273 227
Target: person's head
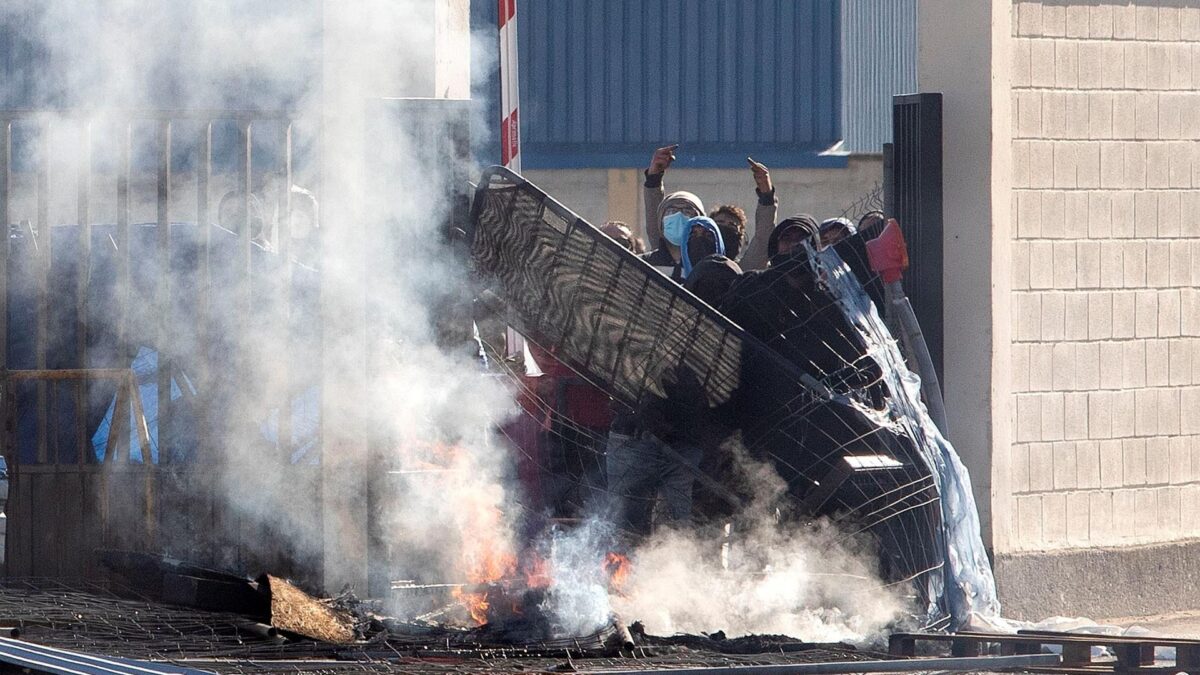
835 230
620 233
703 239
675 211
871 219
790 233
712 277
732 222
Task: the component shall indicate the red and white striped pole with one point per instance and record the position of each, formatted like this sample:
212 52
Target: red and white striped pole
510 90
510 137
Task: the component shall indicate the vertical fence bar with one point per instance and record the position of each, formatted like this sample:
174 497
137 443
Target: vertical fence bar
163 341
245 259
6 390
83 271
284 297
124 294
44 247
204 308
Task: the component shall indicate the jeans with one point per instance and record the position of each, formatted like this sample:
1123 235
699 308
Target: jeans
642 470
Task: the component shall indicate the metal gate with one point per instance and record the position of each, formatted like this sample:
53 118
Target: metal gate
915 194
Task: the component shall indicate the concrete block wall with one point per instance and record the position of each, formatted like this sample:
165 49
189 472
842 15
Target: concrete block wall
1105 360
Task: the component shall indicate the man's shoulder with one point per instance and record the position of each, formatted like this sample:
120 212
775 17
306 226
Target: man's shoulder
659 257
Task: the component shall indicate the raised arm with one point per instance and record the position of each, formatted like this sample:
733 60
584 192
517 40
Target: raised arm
764 217
653 192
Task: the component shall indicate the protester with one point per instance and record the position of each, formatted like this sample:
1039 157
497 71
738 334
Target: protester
834 230
731 219
620 233
672 215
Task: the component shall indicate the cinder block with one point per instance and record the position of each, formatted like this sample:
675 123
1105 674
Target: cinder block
1054 214
1054 20
1021 168
1169 517
1029 521
1042 163
1124 22
1029 418
1158 67
1145 516
1063 355
1112 264
1041 366
1029 18
1123 316
1189 117
1112 166
1124 514
1100 412
1090 74
1087 363
1169 321
1113 67
1190 503
1019 369
1087 461
1029 214
1029 114
1146 314
1157 362
1145 115
1099 316
1077 518
1122 214
1168 22
1065 264
1169 213
1112 365
1054 519
1170 116
1158 266
1087 162
1189 301
1066 64
1179 362
1053 425
1041 56
1147 21
1180 460
1189 24
1100 116
1041 467
1133 450
1189 202
1180 58
1041 265
1028 316
1054 115
1020 264
1158 461
1135 65
1112 469
1075 417
1087 257
1135 166
1146 415
1075 224
1021 62
1077 317
1133 363
1019 462
1134 255
1189 403
1180 254
1180 158
1077 21
1169 410
1158 166
1054 316
1100 514
1195 268
1064 466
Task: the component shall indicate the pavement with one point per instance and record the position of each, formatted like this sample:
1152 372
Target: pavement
1177 624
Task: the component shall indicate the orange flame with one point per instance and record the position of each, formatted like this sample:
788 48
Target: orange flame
617 567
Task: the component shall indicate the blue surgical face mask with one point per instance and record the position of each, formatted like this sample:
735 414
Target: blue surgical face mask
675 228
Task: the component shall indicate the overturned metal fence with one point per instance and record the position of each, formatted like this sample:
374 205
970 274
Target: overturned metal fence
121 342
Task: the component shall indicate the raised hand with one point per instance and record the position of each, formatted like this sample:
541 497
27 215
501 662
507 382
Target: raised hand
661 161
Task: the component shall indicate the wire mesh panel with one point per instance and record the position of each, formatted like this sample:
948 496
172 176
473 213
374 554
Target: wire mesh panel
813 403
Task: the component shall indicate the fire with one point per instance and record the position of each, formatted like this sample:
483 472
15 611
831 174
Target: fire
617 567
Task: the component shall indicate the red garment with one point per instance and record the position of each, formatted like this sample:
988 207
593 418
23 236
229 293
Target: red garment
569 394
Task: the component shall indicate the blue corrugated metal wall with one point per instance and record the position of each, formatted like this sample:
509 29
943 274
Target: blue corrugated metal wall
879 60
603 83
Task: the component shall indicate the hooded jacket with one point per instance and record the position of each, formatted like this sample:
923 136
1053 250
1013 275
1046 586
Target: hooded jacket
801 220
661 257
